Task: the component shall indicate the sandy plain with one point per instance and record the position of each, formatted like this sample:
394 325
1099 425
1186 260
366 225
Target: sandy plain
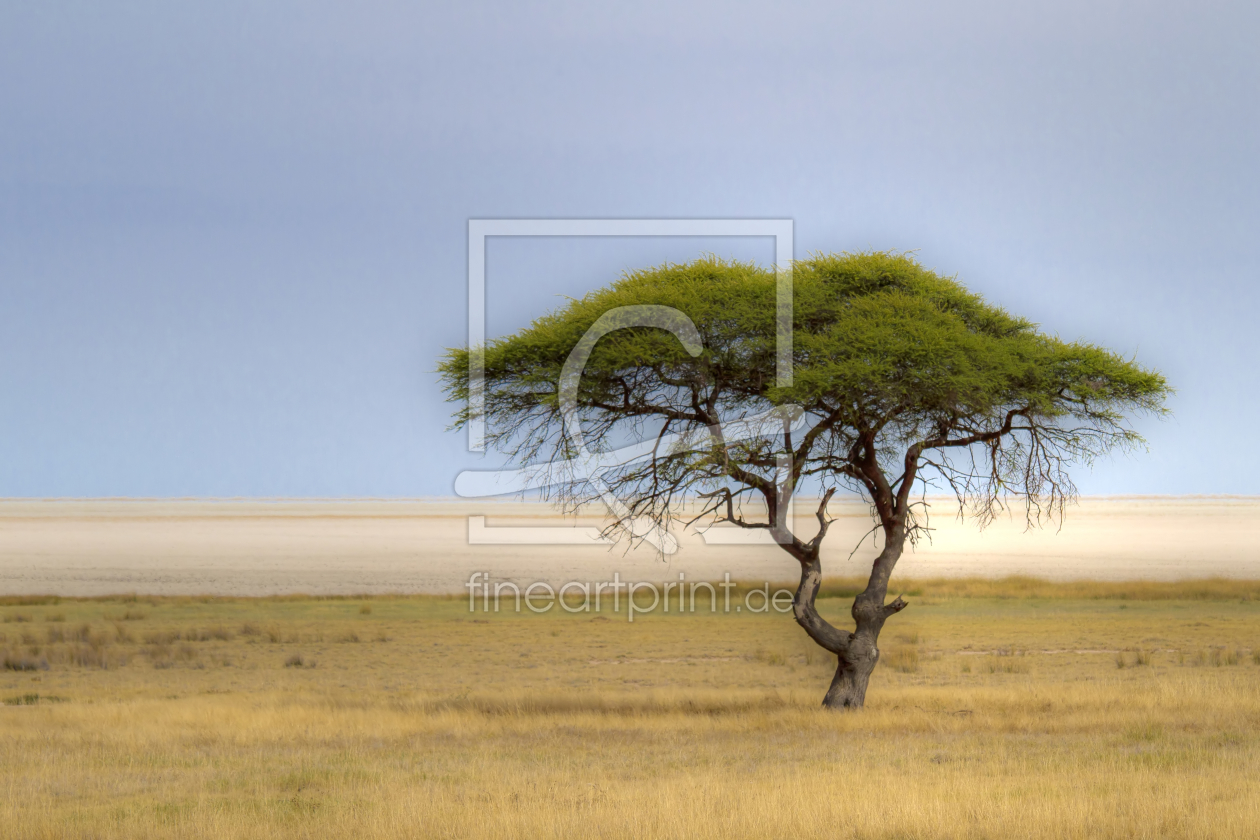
264 547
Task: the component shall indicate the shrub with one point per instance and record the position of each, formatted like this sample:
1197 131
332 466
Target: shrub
294 661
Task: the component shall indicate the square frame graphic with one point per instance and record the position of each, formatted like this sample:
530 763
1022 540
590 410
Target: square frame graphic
782 230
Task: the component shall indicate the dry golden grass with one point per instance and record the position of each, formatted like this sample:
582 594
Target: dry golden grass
1205 589
995 713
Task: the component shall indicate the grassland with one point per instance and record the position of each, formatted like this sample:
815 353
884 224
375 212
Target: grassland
1000 709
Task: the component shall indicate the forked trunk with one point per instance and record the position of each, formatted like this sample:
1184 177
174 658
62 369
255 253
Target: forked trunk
857 653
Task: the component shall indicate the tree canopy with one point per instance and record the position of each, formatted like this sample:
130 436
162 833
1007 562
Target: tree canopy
886 355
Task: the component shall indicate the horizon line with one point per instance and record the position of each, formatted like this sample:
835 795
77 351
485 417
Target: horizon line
517 500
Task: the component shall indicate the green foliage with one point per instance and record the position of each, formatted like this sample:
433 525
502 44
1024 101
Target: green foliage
889 360
881 328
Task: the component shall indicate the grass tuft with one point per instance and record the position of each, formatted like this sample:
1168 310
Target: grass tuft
903 659
89 656
33 699
207 634
1006 661
21 662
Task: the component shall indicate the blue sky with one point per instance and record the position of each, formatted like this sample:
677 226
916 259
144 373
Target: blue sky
233 235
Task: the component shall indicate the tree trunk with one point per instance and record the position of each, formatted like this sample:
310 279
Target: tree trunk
853 672
857 653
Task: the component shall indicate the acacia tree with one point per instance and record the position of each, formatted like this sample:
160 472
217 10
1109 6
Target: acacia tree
901 380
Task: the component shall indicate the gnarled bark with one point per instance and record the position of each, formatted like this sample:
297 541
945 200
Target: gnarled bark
857 653
819 629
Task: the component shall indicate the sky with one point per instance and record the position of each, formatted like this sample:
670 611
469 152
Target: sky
233 236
